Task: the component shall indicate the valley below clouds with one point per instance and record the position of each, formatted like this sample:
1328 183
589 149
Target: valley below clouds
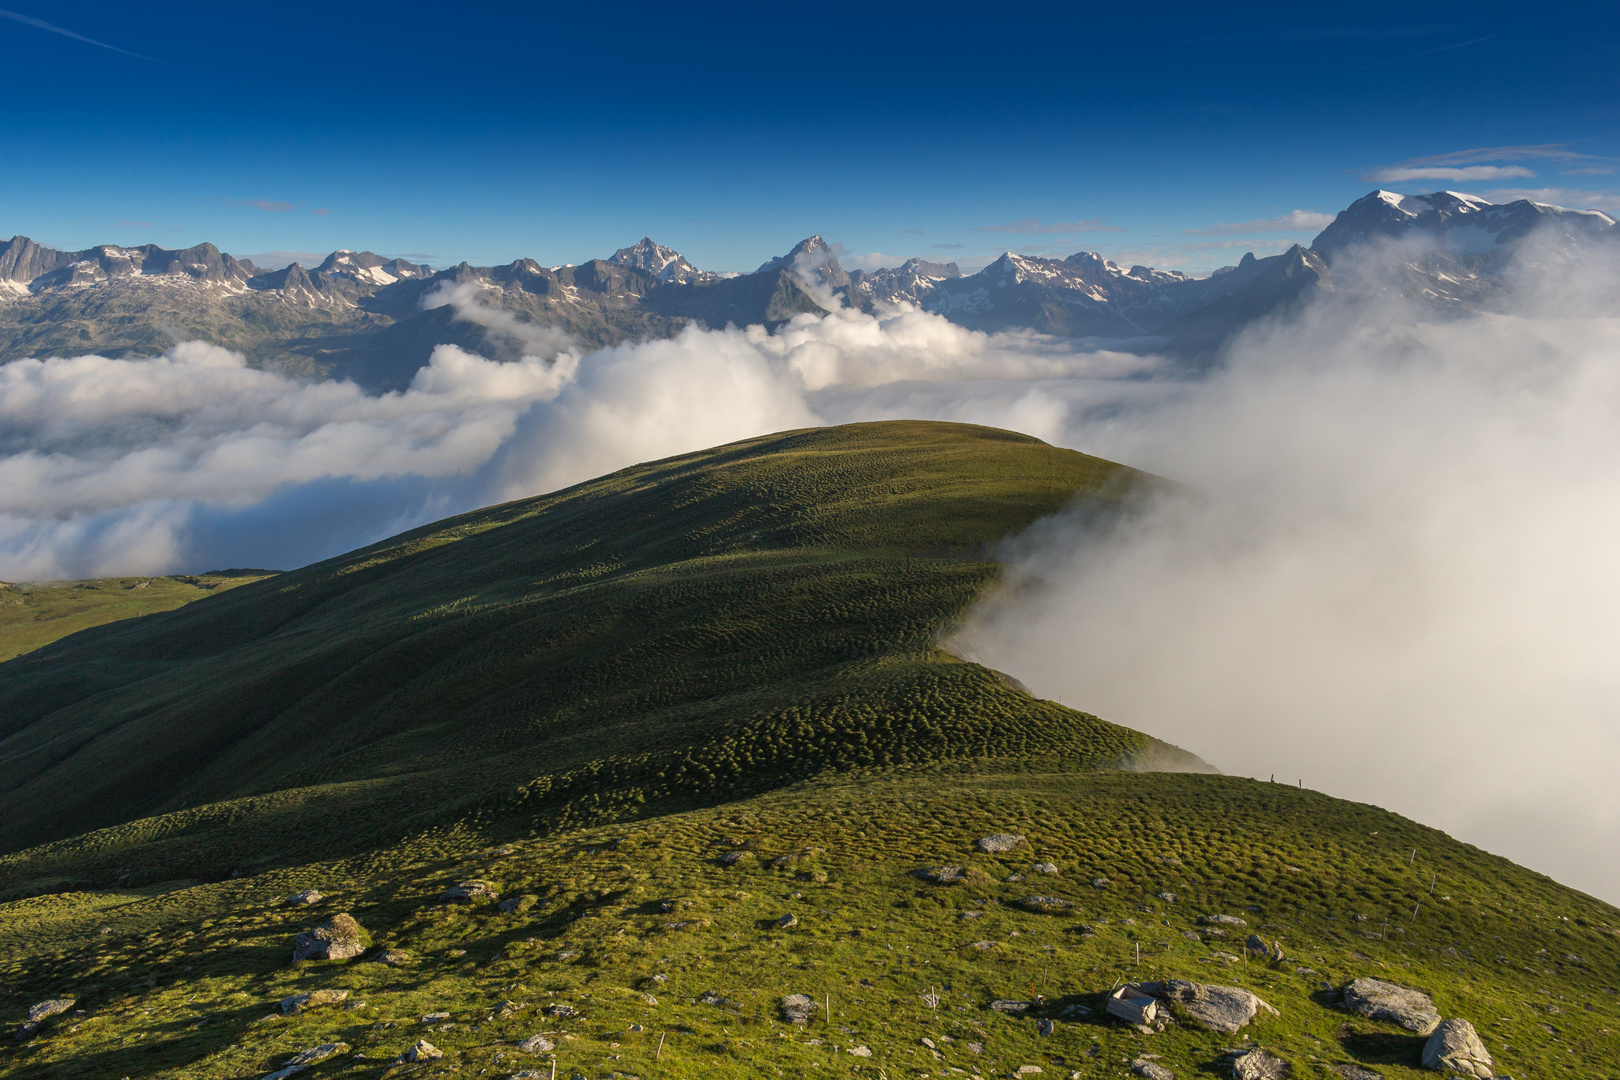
1388 569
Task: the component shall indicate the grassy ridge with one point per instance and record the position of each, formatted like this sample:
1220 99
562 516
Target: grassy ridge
679 632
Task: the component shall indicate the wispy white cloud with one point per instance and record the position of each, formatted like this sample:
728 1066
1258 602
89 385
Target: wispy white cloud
1574 198
272 206
52 28
1293 221
1400 174
1034 227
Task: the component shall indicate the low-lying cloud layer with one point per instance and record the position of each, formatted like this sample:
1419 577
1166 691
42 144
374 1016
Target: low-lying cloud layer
120 466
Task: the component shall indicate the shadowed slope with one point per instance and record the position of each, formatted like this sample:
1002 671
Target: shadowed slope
699 627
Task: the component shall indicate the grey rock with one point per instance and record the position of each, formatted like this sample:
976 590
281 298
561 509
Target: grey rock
1456 1047
393 957
996 843
422 1051
303 899
1223 920
1219 1008
537 1044
1151 1070
469 892
1045 1027
861 1051
799 1008
1379 1000
44 1010
786 922
297 1003
1258 1065
940 875
732 858
1049 905
517 905
1044 868
1356 1072
1257 945
1009 1008
338 938
561 1011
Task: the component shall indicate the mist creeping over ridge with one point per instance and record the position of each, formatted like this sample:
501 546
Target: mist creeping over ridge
1392 573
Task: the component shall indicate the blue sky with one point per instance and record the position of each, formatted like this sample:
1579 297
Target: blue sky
1175 135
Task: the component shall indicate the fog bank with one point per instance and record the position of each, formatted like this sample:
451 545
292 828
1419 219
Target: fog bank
1394 575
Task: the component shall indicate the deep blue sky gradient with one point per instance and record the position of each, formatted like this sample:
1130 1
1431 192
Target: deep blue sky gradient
561 131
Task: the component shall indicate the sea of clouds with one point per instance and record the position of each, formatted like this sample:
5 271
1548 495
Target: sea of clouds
1391 571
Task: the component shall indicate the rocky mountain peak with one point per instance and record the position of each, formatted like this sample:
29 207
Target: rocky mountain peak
665 264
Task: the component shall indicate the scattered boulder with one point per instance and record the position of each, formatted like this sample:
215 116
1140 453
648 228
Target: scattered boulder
1223 920
44 1010
1151 1070
338 938
303 899
306 1058
1044 868
393 957
1257 945
861 1051
422 1051
1046 905
314 999
732 858
1168 897
786 922
537 1044
41 1012
1009 1008
940 875
1100 883
1256 1064
1045 1027
469 892
798 1009
996 843
1356 1072
1456 1047
1379 1000
1220 1008
561 1011
517 905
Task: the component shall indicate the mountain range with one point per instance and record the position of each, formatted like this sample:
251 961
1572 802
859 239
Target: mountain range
358 315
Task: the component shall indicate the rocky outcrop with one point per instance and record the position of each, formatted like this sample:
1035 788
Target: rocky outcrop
997 843
469 892
338 938
1220 1008
1256 1064
1379 1000
1456 1047
798 1009
297 1003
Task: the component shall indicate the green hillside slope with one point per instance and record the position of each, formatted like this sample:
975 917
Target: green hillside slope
692 629
683 743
